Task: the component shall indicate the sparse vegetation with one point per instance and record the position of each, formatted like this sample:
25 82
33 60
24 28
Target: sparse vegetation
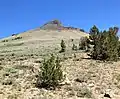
74 47
63 46
11 70
117 80
82 30
118 77
22 64
14 34
1 67
51 74
4 40
17 38
84 92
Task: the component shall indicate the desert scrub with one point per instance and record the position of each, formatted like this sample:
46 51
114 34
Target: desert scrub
10 70
84 92
4 40
51 73
17 38
1 67
74 47
63 46
116 78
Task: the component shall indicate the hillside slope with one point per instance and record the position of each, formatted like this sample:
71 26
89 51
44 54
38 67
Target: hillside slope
52 30
21 56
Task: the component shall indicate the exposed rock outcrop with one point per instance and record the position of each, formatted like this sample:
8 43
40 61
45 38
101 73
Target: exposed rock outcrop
57 25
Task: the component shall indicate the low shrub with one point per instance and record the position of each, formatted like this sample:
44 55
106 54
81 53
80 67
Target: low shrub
74 47
63 46
51 74
4 40
17 38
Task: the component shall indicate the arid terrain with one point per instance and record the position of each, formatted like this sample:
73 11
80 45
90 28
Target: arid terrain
21 56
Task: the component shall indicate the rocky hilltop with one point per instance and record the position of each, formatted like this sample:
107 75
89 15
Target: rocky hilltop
57 25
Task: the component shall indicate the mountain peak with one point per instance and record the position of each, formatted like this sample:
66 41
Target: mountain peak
57 25
52 25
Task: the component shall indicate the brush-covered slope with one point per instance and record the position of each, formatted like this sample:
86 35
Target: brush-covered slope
21 57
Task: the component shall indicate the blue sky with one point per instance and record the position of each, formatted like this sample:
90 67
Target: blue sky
20 15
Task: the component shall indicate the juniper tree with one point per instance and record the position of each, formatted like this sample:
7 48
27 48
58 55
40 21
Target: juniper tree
111 43
63 46
105 44
99 51
84 43
94 31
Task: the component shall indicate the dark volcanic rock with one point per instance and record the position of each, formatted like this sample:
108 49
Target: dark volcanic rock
57 25
52 25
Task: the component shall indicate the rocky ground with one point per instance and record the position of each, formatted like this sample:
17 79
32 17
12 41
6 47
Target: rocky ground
85 78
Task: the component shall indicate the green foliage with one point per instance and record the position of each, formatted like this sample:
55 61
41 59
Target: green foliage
94 31
119 48
84 44
51 74
11 70
111 45
63 46
84 92
106 44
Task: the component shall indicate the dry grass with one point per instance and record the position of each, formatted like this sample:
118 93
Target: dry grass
85 78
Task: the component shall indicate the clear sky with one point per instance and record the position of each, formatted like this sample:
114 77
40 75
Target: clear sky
20 15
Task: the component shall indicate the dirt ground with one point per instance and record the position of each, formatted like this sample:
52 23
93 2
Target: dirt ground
85 78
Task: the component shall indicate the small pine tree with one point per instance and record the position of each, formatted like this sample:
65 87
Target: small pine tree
74 47
119 48
112 44
63 46
84 44
99 52
94 31
51 74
